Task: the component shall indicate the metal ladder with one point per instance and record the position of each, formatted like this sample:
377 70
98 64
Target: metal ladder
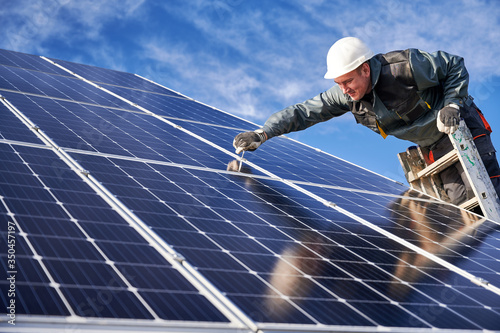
423 174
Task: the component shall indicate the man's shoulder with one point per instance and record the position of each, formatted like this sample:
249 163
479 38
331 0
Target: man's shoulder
394 56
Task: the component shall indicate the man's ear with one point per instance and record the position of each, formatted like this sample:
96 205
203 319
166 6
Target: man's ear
365 69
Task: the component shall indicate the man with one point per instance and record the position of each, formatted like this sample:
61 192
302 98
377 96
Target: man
411 94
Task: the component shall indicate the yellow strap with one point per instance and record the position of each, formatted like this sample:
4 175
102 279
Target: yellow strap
381 131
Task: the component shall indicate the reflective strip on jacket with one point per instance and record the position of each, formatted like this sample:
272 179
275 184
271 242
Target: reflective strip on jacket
408 90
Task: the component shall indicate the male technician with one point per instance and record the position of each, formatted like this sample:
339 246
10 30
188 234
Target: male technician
411 94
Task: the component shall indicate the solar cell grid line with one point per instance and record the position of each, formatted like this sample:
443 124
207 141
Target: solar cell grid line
297 157
381 295
182 108
290 160
82 126
28 61
323 233
199 230
70 162
126 84
110 77
51 142
220 117
451 233
137 92
64 262
473 278
493 288
411 195
37 254
11 128
57 86
59 118
54 299
477 280
293 168
181 243
278 158
171 208
245 121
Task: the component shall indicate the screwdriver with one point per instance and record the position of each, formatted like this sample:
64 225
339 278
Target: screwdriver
241 161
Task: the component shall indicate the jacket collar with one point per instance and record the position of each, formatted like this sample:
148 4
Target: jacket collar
375 67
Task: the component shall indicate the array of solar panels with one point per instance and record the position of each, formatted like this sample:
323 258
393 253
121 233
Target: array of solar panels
117 211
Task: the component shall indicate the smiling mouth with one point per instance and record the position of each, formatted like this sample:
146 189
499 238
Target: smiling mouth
353 96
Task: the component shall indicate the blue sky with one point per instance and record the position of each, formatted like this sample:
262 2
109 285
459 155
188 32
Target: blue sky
252 58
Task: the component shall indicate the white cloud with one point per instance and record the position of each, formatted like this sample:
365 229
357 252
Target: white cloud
29 24
172 56
204 77
468 27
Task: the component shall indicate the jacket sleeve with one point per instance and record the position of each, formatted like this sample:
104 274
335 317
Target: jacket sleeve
440 68
329 104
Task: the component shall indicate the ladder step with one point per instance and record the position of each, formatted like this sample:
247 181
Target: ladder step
470 204
438 165
423 176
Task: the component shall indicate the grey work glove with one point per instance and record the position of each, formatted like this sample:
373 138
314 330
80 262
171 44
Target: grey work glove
448 119
249 140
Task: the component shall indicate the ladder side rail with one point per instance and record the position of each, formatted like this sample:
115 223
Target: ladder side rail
478 177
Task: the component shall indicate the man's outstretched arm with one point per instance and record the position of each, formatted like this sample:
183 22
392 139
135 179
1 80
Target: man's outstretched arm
297 117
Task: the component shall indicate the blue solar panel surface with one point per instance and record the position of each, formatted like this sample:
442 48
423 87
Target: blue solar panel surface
245 245
115 131
181 108
101 244
11 128
55 86
291 160
28 61
114 78
72 246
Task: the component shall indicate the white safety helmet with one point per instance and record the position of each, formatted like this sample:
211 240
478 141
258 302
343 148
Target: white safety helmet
346 55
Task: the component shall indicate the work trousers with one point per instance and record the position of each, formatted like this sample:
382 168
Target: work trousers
454 179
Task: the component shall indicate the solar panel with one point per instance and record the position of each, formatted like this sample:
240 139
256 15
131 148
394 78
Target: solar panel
28 61
116 192
73 247
12 128
109 78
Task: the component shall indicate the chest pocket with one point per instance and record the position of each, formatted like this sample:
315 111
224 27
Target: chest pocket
364 114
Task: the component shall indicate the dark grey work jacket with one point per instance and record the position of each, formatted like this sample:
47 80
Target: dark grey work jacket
408 90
